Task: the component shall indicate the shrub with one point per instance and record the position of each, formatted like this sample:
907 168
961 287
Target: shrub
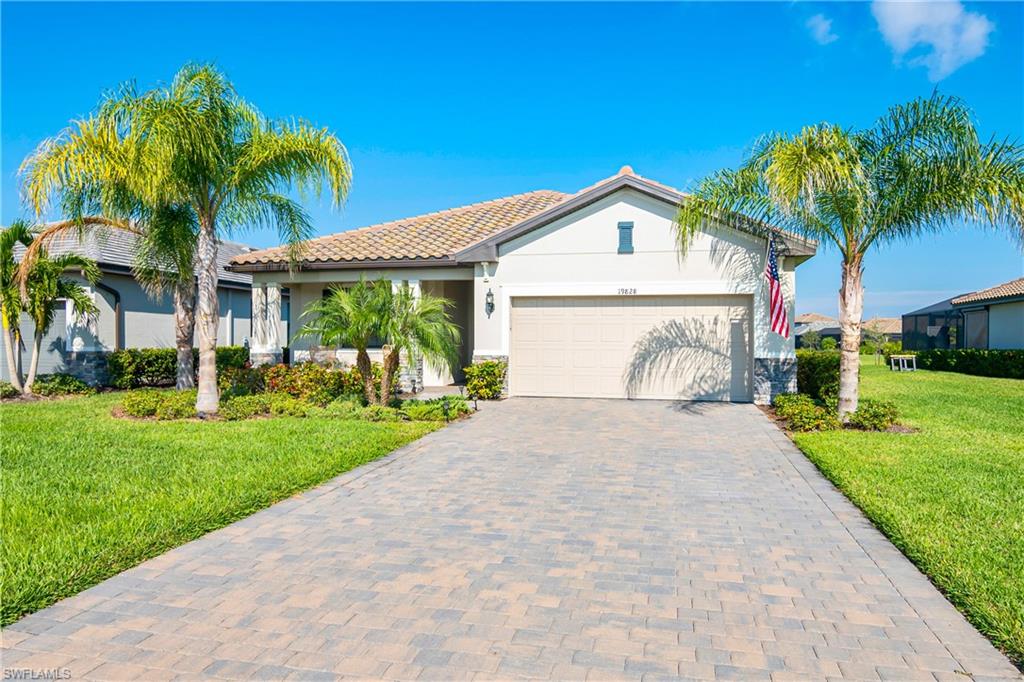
817 373
346 407
240 381
891 348
874 415
804 414
142 403
60 384
315 383
284 405
176 405
135 367
445 408
380 413
486 380
829 343
7 390
1008 364
244 407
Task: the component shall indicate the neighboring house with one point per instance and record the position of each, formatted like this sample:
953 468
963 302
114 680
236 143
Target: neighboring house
990 318
563 286
891 328
823 325
128 317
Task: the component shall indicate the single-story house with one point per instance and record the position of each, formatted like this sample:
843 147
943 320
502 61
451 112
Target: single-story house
129 317
584 294
989 318
823 325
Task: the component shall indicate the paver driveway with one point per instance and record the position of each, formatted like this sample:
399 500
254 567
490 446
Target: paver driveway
542 538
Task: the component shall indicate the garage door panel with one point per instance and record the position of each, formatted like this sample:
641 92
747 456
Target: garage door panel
673 347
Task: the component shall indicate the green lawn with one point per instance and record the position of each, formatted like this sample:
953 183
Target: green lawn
951 496
85 496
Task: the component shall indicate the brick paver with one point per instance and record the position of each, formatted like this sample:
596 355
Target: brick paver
542 539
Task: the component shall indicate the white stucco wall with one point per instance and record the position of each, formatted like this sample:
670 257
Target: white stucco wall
1006 325
577 255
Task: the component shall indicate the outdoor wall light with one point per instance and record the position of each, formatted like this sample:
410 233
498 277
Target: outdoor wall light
489 303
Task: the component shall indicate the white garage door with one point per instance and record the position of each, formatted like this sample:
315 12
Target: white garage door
666 347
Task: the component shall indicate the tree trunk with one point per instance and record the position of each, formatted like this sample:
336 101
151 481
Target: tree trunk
851 309
12 350
184 331
387 382
207 318
33 365
365 368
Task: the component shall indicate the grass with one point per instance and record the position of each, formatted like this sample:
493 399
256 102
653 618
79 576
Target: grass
86 496
950 496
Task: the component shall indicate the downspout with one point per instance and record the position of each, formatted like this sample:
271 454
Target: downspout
117 311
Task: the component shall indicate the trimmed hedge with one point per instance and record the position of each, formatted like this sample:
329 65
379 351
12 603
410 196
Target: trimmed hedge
60 384
1006 364
817 373
138 367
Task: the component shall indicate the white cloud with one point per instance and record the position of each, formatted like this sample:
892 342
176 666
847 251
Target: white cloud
821 29
954 35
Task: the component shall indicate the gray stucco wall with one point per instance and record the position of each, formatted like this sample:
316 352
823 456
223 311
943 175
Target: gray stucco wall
146 323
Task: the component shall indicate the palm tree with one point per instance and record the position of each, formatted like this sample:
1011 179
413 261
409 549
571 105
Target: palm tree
196 145
47 285
351 318
11 305
164 261
419 326
920 168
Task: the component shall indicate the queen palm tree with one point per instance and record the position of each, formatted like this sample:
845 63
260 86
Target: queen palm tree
164 263
48 285
920 168
418 326
11 305
350 317
196 145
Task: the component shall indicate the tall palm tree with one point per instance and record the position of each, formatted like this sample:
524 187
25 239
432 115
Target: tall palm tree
48 285
418 326
920 168
194 144
11 305
350 317
164 262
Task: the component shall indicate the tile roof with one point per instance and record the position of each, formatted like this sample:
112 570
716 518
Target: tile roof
429 236
114 247
814 317
1015 287
441 235
884 325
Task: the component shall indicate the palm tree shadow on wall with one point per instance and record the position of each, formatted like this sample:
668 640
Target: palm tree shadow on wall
693 345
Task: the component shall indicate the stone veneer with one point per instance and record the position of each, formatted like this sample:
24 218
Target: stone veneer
89 366
773 376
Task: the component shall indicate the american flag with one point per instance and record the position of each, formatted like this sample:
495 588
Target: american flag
776 304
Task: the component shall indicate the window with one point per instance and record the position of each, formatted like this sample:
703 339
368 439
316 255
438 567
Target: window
976 329
625 237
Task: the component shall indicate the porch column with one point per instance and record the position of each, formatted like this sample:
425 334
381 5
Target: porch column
266 314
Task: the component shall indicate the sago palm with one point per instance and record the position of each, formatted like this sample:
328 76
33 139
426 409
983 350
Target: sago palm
349 317
195 145
416 326
48 286
920 168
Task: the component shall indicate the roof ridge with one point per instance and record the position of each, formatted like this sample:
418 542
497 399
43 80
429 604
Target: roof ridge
445 211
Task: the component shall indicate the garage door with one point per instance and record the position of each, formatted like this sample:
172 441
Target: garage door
664 347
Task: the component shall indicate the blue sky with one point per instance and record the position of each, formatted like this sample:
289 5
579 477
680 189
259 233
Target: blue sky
444 105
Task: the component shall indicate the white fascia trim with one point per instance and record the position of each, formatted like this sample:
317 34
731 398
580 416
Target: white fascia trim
614 289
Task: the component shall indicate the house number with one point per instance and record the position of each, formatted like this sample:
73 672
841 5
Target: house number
630 291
